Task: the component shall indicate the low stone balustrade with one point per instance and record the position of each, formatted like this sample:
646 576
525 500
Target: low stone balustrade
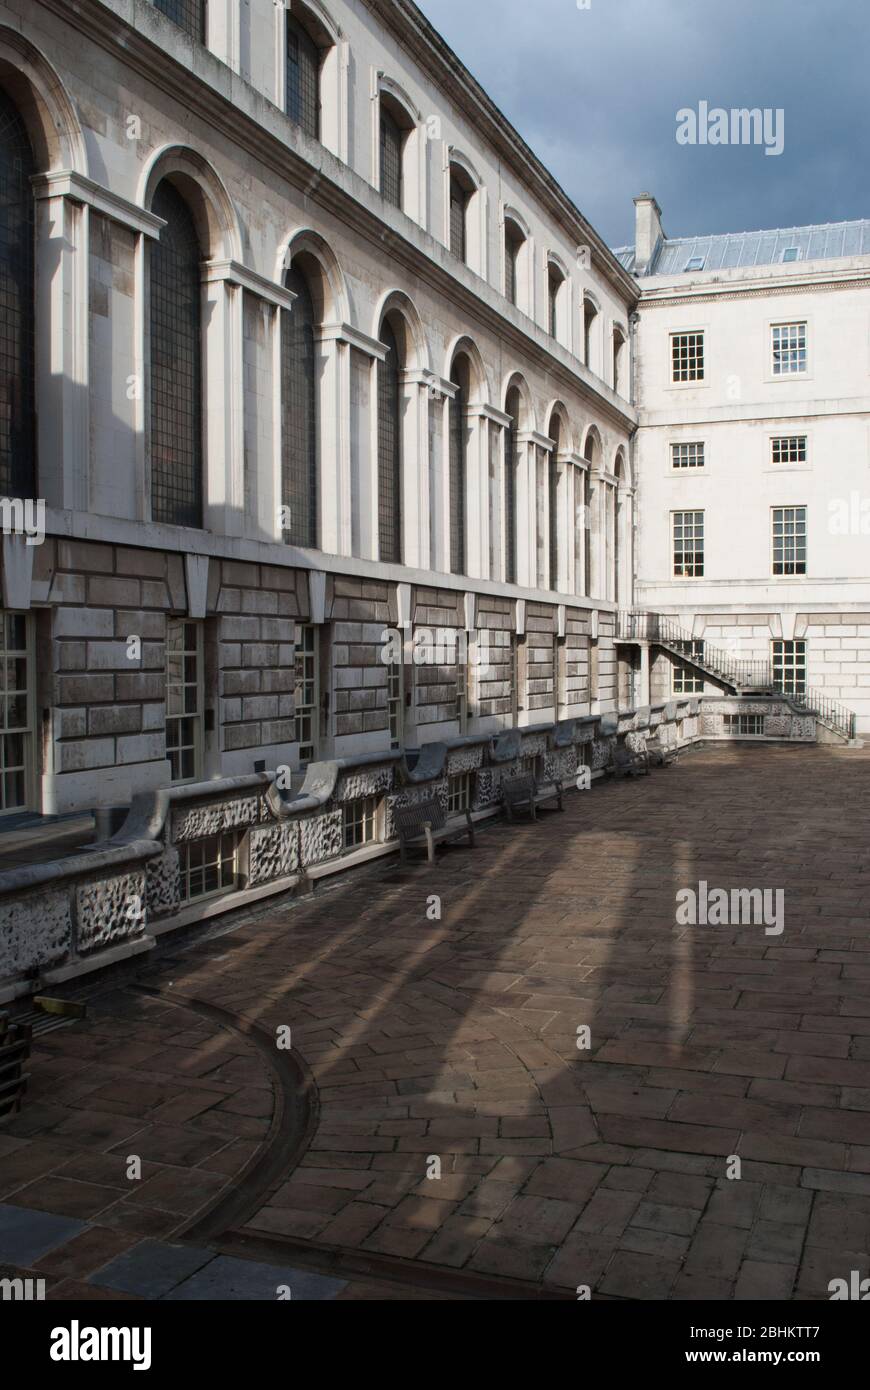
190 852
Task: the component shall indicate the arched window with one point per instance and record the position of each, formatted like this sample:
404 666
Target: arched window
389 450
17 379
299 491
555 281
512 409
303 78
176 364
394 132
556 436
590 313
458 464
189 15
618 347
461 189
513 245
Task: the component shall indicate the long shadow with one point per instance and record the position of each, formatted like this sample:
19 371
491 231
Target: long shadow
458 1038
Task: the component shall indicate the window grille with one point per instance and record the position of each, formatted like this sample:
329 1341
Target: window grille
389 451
303 78
789 448
189 15
789 540
687 357
176 364
17 313
391 159
299 415
307 693
789 348
687 455
360 822
790 666
208 866
16 703
688 544
184 700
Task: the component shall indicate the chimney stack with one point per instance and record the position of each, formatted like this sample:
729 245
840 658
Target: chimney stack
648 231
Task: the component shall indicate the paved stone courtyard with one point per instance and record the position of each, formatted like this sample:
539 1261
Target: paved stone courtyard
416 1039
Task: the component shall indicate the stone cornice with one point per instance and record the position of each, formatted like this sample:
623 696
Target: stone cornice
66 183
274 142
237 274
664 299
429 50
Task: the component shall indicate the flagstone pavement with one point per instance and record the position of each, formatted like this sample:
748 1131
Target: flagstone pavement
439 1115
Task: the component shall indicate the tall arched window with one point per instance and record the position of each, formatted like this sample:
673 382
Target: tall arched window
176 364
189 15
303 78
17 380
590 314
458 465
299 492
512 409
393 135
513 245
555 281
461 189
556 436
389 450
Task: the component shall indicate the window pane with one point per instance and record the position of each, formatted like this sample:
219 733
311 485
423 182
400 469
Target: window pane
176 364
17 398
299 415
303 79
389 451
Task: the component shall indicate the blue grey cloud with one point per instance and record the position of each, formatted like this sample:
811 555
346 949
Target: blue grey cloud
595 93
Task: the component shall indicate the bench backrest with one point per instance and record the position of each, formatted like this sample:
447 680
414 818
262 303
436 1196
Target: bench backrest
409 820
517 789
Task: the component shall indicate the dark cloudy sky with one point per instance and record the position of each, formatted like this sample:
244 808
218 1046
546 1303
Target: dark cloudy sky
595 93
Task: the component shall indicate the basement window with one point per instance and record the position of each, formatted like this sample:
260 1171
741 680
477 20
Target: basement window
459 793
745 725
360 822
208 866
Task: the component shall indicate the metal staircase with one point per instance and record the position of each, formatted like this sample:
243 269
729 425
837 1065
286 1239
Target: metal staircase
744 677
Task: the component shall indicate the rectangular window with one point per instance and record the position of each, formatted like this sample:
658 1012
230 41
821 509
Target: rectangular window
688 544
459 792
789 348
688 455
307 693
687 357
184 700
789 448
208 866
303 78
688 680
789 540
395 702
746 725
16 705
790 667
360 822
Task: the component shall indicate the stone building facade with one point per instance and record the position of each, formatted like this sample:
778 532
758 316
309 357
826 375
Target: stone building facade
308 355
751 455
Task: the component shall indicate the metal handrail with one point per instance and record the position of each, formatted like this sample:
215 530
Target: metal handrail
743 674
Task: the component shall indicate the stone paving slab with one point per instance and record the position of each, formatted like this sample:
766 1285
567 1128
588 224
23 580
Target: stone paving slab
460 1125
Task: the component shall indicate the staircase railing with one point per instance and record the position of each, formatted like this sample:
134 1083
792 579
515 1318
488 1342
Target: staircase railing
742 674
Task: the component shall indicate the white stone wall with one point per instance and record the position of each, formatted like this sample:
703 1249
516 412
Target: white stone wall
739 604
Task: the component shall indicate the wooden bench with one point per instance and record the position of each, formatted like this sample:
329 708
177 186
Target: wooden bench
661 754
15 1039
424 823
525 794
628 764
